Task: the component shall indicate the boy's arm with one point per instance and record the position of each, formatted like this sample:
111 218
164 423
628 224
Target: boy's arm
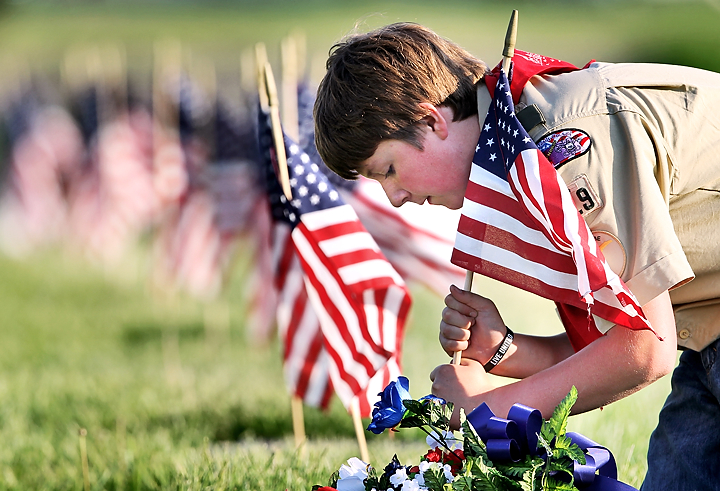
610 368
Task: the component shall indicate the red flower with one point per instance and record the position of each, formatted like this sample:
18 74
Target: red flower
433 455
455 461
326 488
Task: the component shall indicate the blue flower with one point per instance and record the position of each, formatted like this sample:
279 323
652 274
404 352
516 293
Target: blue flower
389 410
433 398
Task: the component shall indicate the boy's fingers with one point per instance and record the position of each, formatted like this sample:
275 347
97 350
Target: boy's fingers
453 332
465 297
454 339
454 318
459 306
452 347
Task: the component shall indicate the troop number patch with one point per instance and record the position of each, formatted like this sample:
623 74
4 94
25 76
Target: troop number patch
562 146
584 196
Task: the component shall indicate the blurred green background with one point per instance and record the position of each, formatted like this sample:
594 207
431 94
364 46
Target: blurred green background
682 32
170 404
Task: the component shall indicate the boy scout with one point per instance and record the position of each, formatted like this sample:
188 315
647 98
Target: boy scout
638 146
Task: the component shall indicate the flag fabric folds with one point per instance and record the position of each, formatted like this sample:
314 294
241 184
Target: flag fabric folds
519 225
360 301
305 360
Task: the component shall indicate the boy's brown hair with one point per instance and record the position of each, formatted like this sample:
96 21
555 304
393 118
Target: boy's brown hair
375 83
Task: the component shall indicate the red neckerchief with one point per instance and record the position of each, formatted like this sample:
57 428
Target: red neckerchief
525 66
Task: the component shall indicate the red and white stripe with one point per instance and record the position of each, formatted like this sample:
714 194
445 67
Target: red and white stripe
33 211
419 252
196 248
521 227
128 202
359 298
305 361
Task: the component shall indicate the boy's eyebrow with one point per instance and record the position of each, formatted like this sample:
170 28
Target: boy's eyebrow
363 170
366 173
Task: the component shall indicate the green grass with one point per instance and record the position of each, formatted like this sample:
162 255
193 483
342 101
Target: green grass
170 404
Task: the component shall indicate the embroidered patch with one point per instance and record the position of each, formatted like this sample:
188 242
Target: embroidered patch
562 146
584 196
612 249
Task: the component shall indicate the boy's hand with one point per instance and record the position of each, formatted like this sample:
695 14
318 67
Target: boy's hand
471 324
464 385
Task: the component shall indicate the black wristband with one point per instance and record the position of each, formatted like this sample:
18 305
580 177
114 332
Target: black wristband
504 346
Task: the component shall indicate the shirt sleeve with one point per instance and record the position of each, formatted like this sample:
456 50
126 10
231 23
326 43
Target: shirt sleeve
630 171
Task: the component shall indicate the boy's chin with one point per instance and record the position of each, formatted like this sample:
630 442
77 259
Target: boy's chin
451 204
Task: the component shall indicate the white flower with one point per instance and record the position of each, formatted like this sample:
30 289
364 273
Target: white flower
353 475
450 440
399 477
411 485
425 466
447 470
352 483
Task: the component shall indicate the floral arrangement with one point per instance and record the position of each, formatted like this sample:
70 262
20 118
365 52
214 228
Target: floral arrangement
523 452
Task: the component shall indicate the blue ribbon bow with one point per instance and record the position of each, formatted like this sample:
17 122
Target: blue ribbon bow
512 438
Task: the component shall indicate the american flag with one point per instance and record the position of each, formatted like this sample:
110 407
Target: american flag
305 361
360 301
46 151
127 203
196 249
520 226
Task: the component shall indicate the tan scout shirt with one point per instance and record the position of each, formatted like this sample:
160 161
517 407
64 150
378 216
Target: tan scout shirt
649 183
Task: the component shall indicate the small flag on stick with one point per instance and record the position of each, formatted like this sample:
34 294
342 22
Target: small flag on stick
519 225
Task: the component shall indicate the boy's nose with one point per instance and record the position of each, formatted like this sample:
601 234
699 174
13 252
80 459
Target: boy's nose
396 195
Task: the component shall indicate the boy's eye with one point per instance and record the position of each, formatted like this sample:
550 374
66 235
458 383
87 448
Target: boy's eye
390 171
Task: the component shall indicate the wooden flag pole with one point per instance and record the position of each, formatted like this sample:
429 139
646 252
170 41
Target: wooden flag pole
510 38
269 101
260 60
359 430
508 53
457 356
289 86
289 83
277 131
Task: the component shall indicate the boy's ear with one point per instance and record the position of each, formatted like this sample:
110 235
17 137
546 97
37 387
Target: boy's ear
435 119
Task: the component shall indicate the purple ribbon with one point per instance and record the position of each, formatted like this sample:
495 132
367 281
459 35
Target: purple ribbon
600 471
508 440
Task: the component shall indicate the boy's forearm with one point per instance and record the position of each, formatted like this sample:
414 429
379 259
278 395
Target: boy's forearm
531 354
603 372
610 368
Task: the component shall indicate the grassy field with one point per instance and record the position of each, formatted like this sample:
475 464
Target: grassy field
169 403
